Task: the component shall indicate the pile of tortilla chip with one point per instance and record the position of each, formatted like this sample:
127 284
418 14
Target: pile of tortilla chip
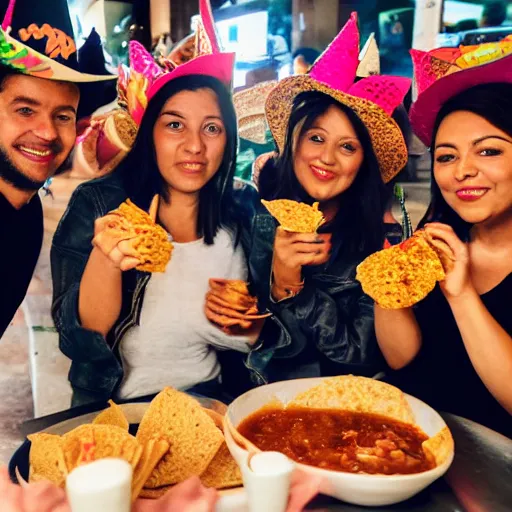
177 438
148 238
295 217
403 275
362 395
231 304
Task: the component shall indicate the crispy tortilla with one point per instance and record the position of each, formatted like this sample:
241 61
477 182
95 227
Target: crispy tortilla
223 472
72 444
402 275
439 447
193 437
114 415
294 216
92 442
47 459
358 394
149 239
235 293
152 454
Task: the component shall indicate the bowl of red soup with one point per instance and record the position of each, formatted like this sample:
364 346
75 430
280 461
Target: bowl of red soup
372 444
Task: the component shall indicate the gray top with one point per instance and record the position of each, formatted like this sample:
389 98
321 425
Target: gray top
175 344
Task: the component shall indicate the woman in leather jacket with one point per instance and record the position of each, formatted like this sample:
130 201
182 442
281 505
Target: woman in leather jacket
331 149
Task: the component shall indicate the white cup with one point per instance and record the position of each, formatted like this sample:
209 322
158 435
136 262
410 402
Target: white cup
103 485
267 477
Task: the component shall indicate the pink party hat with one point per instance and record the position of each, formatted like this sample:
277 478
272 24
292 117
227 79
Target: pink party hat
373 98
209 60
445 72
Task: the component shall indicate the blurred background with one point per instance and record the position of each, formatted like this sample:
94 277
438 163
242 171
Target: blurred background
267 35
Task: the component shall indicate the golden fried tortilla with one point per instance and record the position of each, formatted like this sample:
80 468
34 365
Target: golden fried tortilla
114 415
152 454
149 239
223 472
358 394
72 444
402 275
295 217
47 459
192 435
92 442
440 446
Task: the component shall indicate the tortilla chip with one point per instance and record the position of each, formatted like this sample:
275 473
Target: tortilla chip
150 240
402 275
92 442
295 217
439 447
115 442
152 453
133 214
114 415
154 250
235 293
193 437
72 444
358 394
223 472
47 459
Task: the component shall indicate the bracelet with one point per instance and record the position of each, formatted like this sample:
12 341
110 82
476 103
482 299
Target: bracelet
290 290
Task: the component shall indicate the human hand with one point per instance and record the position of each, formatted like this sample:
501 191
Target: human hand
188 496
304 487
292 251
115 243
37 497
454 255
230 306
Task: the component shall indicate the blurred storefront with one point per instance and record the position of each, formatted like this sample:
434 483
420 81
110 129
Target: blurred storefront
267 34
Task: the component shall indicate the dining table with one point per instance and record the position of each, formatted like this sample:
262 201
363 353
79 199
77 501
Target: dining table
479 479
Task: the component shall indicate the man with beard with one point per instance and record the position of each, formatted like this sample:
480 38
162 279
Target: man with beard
39 95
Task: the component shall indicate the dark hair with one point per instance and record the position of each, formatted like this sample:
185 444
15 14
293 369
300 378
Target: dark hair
6 71
140 171
493 102
358 226
494 13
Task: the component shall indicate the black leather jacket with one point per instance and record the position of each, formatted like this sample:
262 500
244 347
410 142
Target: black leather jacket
327 329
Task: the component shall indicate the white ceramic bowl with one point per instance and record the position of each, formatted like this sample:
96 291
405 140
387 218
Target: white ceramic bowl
369 490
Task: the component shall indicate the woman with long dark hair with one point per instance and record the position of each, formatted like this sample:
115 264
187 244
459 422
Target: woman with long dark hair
337 145
131 333
454 349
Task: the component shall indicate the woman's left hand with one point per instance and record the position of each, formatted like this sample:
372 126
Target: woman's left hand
458 278
230 318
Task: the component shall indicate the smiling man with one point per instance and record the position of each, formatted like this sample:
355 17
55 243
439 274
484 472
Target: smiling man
39 96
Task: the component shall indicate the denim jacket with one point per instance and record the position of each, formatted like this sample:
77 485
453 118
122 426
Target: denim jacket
96 366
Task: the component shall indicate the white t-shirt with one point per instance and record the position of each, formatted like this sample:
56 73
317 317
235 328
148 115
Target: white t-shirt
175 344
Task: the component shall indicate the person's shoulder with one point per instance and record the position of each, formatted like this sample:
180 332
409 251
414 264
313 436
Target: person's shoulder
106 193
